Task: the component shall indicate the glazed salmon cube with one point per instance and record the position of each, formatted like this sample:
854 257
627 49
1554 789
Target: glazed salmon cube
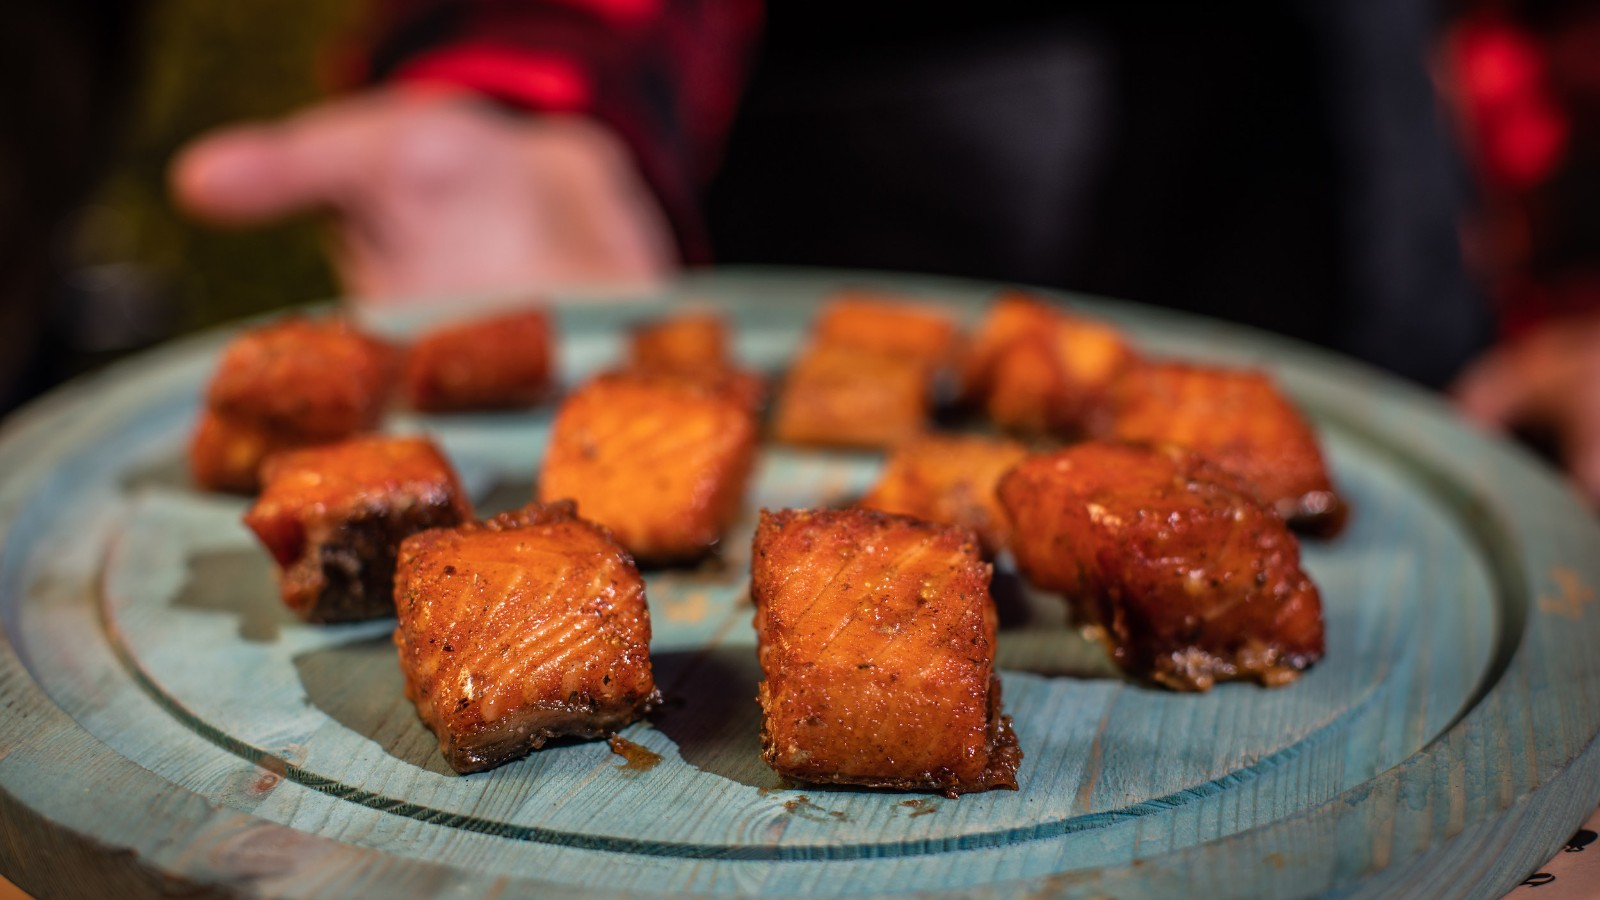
844 397
890 325
693 347
226 455
686 341
333 518
876 637
1240 420
304 377
1037 369
524 628
949 478
1189 579
662 462
497 362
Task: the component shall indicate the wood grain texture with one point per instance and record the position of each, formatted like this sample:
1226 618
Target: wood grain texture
169 723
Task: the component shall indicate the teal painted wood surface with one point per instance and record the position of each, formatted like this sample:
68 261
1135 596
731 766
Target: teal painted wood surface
167 722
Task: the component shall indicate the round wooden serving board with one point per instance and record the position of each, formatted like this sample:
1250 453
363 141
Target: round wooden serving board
167 724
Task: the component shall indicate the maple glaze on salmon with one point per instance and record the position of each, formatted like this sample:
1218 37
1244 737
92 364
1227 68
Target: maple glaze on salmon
226 455
685 341
1037 369
837 396
693 347
496 362
949 478
662 462
523 628
876 636
333 517
311 377
887 324
1188 577
293 383
1240 420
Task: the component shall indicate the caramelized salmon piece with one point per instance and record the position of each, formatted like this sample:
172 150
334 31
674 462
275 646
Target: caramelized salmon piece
887 324
837 396
876 638
682 342
1189 579
498 362
333 518
1037 369
660 461
311 378
527 627
294 383
226 455
693 347
949 478
1239 419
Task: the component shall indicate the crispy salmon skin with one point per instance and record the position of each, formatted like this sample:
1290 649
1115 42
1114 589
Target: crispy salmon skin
876 637
333 517
1188 577
526 627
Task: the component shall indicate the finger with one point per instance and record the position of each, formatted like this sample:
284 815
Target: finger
1581 455
258 173
1495 390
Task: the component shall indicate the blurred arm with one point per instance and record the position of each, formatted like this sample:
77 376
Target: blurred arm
439 183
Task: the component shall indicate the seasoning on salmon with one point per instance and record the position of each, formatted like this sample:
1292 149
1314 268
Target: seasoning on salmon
226 454
876 635
1241 421
663 463
294 382
845 397
333 517
526 627
693 346
1187 577
949 478
502 361
1037 369
889 324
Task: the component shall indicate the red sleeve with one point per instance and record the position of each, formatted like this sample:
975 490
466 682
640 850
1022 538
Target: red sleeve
664 75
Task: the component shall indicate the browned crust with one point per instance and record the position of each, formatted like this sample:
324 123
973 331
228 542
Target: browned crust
876 636
496 362
465 598
333 518
1184 576
662 462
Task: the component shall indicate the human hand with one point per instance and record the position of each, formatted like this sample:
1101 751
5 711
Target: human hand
1548 382
440 193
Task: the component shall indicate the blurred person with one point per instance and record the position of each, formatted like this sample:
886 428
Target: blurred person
1285 166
